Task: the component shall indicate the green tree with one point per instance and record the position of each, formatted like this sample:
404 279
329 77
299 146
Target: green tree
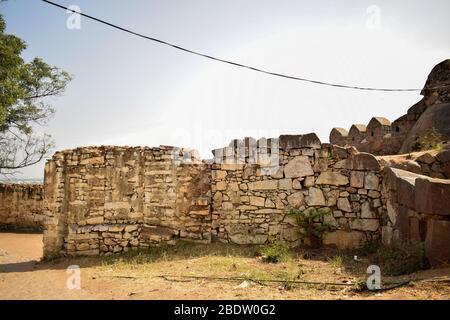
25 89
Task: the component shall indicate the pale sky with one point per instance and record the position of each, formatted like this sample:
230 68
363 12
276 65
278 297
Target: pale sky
130 91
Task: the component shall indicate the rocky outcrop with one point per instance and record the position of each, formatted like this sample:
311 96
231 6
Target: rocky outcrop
432 112
435 117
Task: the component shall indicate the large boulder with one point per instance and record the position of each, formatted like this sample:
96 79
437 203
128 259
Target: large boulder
435 117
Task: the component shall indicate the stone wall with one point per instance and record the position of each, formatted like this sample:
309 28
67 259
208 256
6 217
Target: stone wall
418 211
113 199
103 200
251 201
21 206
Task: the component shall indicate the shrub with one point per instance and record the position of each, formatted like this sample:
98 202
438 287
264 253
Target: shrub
360 285
311 224
367 248
403 259
274 253
430 140
336 261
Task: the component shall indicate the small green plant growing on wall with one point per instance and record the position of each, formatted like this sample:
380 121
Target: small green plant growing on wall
430 140
311 224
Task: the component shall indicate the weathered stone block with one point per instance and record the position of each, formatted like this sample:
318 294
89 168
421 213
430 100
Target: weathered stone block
344 205
432 196
365 224
295 200
343 239
357 179
437 242
298 167
363 161
257 201
315 197
367 210
332 178
263 185
285 184
95 220
371 181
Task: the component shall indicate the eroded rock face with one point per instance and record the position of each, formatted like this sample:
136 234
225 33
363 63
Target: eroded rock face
435 117
437 80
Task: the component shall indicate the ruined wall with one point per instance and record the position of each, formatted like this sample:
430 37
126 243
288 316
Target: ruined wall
21 206
113 199
418 211
251 200
103 200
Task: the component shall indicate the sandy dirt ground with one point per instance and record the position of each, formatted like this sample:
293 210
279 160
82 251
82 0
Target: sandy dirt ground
23 276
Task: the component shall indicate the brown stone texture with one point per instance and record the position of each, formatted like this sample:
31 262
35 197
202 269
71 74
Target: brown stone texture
363 161
304 176
102 200
433 196
417 211
437 243
344 239
21 206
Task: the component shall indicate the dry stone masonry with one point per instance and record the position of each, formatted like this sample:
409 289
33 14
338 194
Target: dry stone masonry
250 204
103 200
21 206
113 199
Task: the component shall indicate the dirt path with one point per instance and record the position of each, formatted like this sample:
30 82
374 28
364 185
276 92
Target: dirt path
22 276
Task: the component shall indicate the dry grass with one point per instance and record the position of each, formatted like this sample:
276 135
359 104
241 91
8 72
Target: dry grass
136 275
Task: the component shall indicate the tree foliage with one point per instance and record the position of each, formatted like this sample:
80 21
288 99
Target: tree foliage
25 89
